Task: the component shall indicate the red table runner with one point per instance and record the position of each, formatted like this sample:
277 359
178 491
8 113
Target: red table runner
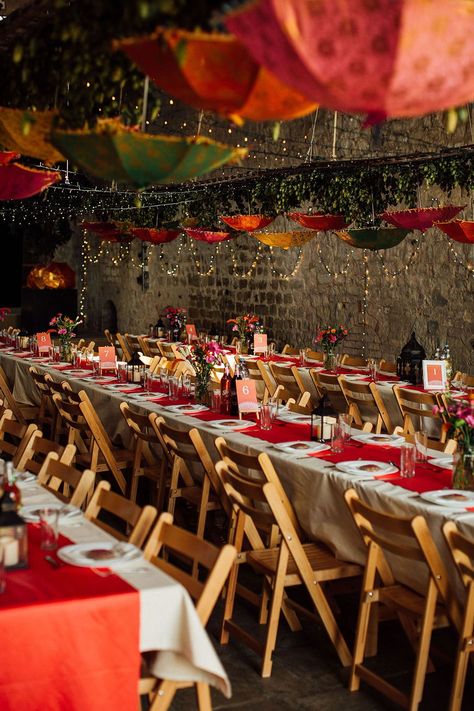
70 639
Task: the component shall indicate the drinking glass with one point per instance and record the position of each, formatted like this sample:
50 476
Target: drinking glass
265 413
238 347
407 460
121 371
421 446
49 523
345 420
302 356
273 405
186 385
337 362
271 350
56 354
3 580
216 400
164 376
337 438
173 384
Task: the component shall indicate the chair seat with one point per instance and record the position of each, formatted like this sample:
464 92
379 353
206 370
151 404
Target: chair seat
323 563
412 602
123 458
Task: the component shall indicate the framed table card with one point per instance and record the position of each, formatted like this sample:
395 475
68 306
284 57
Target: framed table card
246 395
191 331
434 375
107 358
44 343
260 343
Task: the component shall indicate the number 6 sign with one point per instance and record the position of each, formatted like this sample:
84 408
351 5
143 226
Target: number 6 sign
247 395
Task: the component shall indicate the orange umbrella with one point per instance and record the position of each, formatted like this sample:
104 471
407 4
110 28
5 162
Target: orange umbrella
381 57
459 230
247 223
214 72
319 221
285 240
18 182
208 235
107 231
153 235
28 133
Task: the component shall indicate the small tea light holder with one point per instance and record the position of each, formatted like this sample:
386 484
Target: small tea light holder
13 540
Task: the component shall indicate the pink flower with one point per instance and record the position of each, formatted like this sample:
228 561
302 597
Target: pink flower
470 420
333 339
62 331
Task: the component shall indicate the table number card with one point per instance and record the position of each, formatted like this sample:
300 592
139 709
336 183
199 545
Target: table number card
44 343
107 358
191 331
434 374
246 395
260 343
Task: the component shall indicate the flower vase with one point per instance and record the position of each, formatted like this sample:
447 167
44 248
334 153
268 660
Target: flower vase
330 360
244 346
463 470
201 388
65 352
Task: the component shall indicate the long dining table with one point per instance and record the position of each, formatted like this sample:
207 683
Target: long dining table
313 483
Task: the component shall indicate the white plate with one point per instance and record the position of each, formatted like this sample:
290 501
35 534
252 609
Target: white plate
301 447
112 554
38 359
442 462
61 364
387 382
363 467
294 418
451 498
382 439
122 386
30 512
188 409
148 396
232 424
76 372
358 376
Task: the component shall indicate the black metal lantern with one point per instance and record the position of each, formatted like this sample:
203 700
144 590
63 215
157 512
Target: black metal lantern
410 361
135 369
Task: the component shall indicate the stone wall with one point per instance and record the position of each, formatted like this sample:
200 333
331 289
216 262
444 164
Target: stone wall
431 294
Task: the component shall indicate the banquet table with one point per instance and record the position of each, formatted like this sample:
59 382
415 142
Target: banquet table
71 638
314 486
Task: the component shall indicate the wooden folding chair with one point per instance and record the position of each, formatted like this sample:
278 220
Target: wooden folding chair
109 338
353 361
462 552
415 407
410 540
166 537
38 448
288 381
169 351
47 411
133 343
449 446
314 355
126 353
329 385
290 350
15 436
21 411
264 384
126 514
61 478
146 461
303 407
366 404
286 563
386 366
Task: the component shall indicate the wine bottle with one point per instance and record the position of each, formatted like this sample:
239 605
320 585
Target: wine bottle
225 392
234 403
11 497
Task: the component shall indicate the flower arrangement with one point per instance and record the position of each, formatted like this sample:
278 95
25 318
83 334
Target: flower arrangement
245 325
459 424
4 310
203 357
330 336
64 327
176 316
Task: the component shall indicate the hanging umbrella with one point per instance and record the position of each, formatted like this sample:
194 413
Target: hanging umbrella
18 182
55 275
214 72
28 132
247 223
208 236
285 240
153 235
107 231
421 218
112 151
459 230
319 221
373 237
382 57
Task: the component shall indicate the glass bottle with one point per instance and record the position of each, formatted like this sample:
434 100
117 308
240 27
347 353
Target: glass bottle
449 366
11 497
225 392
234 404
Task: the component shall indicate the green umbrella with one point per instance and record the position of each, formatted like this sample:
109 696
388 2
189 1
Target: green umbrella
111 151
373 237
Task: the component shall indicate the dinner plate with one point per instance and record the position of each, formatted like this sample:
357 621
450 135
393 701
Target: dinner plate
452 498
31 512
38 359
61 364
366 467
232 424
25 479
99 554
148 396
121 386
188 409
382 439
442 462
294 418
301 447
75 372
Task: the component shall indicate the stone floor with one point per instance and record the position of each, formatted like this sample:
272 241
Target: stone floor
307 675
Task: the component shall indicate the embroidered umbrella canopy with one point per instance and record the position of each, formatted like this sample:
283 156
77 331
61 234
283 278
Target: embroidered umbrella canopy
247 223
459 230
208 236
214 72
421 218
285 240
18 182
373 237
382 57
107 231
112 151
153 235
28 132
319 221
55 275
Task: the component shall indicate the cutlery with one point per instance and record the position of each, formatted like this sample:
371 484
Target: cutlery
53 562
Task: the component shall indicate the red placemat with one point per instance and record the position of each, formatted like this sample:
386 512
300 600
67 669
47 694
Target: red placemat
70 639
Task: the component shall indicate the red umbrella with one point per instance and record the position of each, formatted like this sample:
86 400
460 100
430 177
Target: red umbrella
107 231
247 223
458 230
153 235
319 221
382 57
208 236
421 218
18 182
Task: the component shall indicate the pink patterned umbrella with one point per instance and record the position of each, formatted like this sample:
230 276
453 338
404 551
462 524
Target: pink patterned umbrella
459 230
155 236
381 57
208 236
18 182
319 221
421 218
247 223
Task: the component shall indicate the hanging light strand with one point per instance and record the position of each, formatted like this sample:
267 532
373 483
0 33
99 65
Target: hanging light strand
235 262
468 266
365 302
293 272
198 261
393 275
